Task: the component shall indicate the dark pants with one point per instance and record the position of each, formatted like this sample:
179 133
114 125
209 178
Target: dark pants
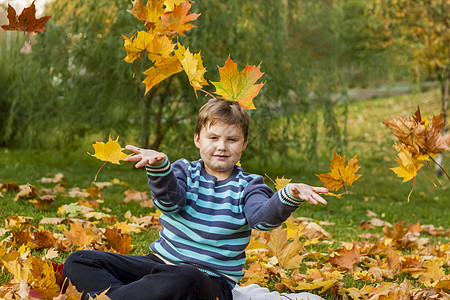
140 277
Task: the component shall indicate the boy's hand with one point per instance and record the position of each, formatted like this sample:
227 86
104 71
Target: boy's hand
145 156
308 193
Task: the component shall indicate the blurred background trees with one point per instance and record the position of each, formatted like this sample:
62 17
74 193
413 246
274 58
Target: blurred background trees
73 87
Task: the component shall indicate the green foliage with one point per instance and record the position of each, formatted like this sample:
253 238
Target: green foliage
74 86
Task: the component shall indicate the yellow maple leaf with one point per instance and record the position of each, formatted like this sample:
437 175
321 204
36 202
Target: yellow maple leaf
161 47
409 163
170 4
163 69
150 14
340 174
281 182
136 44
110 151
286 253
193 66
318 283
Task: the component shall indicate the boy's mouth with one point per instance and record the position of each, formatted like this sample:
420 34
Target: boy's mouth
221 156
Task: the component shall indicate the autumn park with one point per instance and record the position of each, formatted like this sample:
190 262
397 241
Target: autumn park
347 95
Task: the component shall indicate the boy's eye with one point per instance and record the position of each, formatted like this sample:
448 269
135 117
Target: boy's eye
232 140
213 138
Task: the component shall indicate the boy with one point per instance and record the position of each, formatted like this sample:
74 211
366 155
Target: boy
208 209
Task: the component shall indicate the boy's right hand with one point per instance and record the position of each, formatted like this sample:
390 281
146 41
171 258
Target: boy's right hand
145 156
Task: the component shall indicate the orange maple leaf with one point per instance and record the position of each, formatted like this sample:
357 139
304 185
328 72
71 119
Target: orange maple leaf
26 21
177 21
149 14
239 86
340 174
120 242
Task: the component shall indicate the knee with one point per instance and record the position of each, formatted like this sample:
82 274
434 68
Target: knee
74 260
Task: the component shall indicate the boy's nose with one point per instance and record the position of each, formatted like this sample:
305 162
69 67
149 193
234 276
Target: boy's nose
221 145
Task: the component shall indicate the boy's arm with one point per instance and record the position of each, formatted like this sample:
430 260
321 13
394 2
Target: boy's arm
168 190
266 210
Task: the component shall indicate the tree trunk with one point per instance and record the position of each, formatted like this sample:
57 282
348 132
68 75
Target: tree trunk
444 83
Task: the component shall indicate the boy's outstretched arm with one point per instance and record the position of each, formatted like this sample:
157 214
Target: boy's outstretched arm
308 193
145 156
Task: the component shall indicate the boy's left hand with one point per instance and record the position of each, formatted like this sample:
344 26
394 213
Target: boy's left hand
308 193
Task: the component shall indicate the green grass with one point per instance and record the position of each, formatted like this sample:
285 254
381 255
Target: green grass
378 190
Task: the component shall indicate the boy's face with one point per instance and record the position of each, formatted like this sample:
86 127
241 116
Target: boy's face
221 146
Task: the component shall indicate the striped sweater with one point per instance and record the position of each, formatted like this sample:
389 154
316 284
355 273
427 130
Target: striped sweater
208 222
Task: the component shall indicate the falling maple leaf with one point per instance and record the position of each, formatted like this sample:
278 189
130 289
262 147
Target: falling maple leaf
239 86
419 140
409 163
281 182
136 44
149 14
177 21
340 174
110 151
161 70
26 21
420 136
170 4
193 66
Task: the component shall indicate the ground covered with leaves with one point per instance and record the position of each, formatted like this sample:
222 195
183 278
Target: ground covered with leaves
370 244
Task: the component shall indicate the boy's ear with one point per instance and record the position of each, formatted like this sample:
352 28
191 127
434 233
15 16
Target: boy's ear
197 140
245 145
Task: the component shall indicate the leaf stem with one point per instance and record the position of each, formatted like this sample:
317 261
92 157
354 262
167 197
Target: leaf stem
435 185
343 184
95 179
269 178
106 160
209 94
25 35
443 170
414 184
140 59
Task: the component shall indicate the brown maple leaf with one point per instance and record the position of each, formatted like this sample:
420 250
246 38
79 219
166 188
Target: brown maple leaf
435 141
409 131
346 258
44 239
26 21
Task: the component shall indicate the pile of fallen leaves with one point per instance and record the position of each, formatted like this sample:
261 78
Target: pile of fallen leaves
399 263
396 262
29 250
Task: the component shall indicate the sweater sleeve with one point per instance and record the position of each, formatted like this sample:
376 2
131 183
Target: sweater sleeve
167 183
266 210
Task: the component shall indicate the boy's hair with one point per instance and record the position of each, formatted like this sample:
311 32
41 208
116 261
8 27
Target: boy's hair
218 110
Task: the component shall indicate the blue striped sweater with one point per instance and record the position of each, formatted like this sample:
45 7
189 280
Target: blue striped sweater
207 222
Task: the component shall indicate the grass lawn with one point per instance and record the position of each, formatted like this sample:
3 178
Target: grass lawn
379 190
